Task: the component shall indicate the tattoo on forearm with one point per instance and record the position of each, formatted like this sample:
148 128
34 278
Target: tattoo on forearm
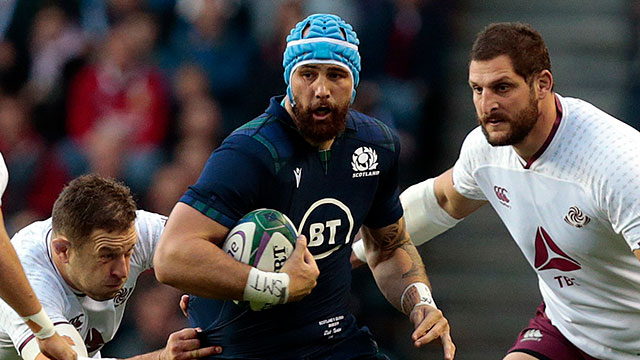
417 267
387 239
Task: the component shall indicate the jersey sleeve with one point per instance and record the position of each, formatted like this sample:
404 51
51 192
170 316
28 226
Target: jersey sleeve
4 177
232 180
463 180
149 226
386 208
619 193
51 296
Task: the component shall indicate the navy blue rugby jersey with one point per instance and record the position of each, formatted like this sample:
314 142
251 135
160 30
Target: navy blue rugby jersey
328 195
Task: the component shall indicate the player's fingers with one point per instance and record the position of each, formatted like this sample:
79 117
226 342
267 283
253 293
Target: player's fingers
433 333
300 249
184 305
208 351
184 334
309 259
423 321
448 346
301 242
68 340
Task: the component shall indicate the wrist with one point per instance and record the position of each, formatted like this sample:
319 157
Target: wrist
414 295
266 287
40 324
359 250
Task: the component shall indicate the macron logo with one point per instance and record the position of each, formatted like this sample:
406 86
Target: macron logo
298 174
550 256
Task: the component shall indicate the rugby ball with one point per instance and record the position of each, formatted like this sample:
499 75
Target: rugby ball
264 239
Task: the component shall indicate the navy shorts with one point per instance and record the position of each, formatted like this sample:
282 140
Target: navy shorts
544 341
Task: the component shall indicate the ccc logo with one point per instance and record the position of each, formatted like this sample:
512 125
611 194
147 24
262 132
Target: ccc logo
501 193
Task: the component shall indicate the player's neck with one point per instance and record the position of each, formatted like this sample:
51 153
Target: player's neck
541 130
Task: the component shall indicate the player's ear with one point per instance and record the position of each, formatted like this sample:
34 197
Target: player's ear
61 248
544 83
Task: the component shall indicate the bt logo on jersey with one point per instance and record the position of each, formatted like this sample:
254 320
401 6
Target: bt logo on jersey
550 256
327 236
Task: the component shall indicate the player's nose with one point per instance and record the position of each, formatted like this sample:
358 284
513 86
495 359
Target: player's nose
120 267
487 103
321 88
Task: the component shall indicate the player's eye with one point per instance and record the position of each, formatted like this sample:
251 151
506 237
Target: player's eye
107 257
503 87
476 89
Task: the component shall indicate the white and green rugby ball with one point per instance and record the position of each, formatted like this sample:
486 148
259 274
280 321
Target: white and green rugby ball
264 239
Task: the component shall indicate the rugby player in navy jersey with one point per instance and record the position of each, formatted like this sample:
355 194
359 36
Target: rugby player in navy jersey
331 170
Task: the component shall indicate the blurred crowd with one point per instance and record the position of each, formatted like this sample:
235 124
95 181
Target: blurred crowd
144 90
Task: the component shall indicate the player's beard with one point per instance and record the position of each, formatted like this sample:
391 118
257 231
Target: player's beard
318 131
520 125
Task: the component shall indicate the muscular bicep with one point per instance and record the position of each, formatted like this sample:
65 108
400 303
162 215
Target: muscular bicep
185 222
451 200
187 235
31 350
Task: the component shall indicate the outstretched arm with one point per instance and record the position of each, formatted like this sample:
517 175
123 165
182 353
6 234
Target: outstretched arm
430 208
400 275
16 291
68 334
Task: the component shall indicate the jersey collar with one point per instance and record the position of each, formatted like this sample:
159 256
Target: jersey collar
552 134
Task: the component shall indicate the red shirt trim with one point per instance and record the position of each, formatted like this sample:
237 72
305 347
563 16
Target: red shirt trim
554 129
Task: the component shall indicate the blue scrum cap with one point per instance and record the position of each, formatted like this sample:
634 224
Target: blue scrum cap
330 40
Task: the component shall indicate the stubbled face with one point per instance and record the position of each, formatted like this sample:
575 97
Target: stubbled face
322 93
100 267
506 106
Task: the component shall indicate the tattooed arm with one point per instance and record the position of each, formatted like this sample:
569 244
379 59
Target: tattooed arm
396 265
393 259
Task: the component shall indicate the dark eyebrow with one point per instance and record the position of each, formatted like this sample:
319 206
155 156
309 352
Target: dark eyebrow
338 68
495 82
309 66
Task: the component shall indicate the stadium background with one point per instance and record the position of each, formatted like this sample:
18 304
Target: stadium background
143 90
